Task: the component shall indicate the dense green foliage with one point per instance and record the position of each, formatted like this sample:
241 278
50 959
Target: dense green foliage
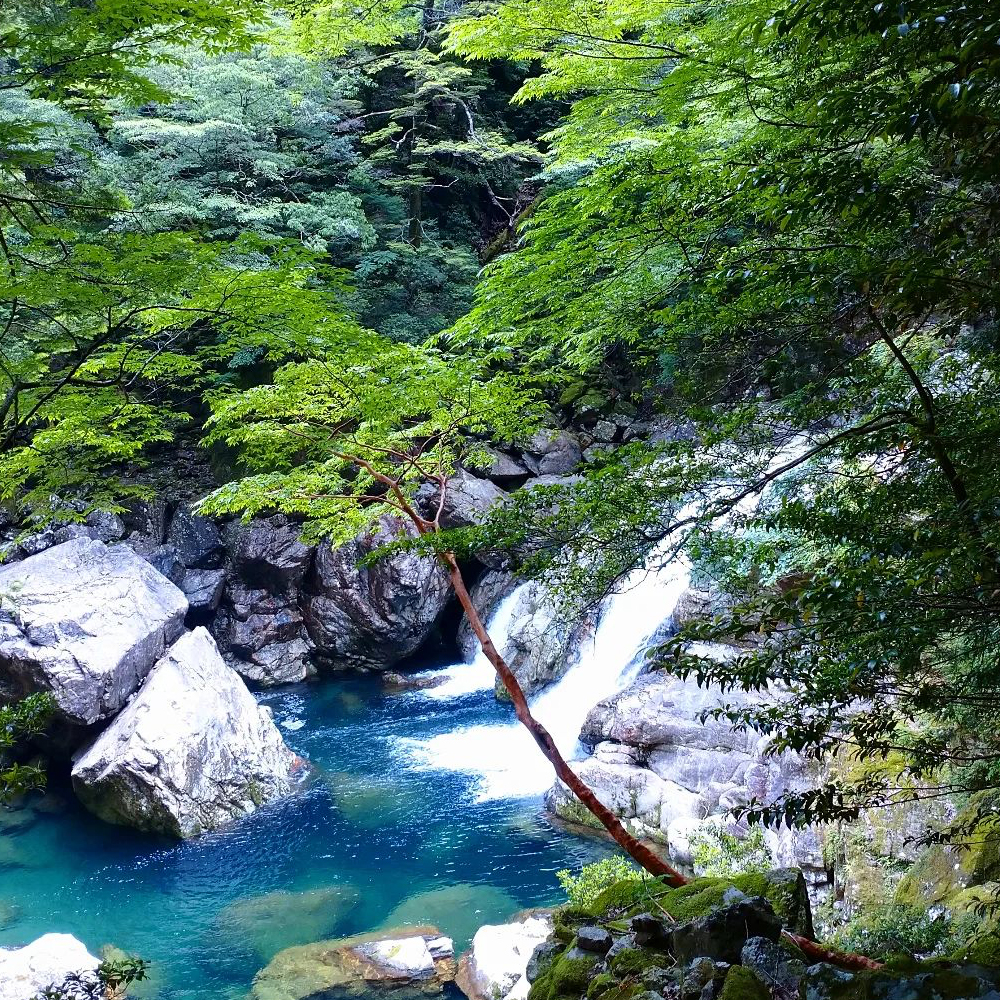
19 721
583 888
772 227
782 222
185 216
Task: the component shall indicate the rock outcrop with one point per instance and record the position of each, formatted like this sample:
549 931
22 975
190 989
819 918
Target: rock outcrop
665 769
538 644
44 964
191 751
85 622
371 617
495 967
717 939
412 962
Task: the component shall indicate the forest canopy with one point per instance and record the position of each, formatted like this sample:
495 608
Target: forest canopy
293 233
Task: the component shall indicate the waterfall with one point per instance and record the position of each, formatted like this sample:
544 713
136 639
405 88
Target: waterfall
503 758
477 675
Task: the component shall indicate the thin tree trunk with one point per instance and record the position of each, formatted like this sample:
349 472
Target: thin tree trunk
638 851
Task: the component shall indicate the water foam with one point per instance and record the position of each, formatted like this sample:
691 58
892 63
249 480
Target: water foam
504 759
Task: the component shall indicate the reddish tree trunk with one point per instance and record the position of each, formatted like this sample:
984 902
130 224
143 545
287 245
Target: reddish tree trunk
637 850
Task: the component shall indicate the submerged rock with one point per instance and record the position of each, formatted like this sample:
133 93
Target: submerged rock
371 617
460 909
192 750
84 622
495 968
278 920
412 962
43 964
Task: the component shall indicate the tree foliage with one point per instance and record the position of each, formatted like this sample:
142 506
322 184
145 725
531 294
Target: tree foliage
784 220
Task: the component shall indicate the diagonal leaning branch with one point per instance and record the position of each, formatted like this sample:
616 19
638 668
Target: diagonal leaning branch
641 853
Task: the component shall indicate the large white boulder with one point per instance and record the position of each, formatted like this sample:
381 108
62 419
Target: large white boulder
191 751
45 963
495 968
668 770
84 622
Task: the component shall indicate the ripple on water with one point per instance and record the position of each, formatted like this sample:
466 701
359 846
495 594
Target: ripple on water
372 842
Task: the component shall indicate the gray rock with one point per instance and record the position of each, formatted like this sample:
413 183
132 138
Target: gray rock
605 431
164 559
552 452
196 540
696 977
99 525
191 751
408 964
595 939
371 617
268 553
262 635
537 642
648 930
721 935
203 588
277 663
500 467
44 964
774 965
541 959
468 499
85 622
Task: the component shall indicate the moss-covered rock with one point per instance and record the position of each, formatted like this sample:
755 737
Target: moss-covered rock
569 976
636 962
943 871
624 896
742 984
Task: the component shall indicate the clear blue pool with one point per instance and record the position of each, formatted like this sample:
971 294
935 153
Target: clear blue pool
384 841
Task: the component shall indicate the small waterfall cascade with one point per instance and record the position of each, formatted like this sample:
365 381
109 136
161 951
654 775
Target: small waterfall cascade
477 675
503 758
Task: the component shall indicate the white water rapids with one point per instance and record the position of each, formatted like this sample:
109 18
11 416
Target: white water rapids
504 758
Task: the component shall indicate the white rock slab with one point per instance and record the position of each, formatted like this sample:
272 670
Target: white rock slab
496 965
85 622
191 751
46 962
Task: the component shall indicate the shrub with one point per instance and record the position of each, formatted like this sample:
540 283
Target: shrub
722 855
583 889
895 929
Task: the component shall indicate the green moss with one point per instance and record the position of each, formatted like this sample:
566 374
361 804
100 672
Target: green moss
627 894
742 984
943 871
572 393
541 988
571 973
983 947
574 811
566 920
600 985
637 961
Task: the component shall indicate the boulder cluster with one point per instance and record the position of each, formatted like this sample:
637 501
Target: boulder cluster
712 939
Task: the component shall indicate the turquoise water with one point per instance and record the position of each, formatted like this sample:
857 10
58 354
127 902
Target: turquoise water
373 842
